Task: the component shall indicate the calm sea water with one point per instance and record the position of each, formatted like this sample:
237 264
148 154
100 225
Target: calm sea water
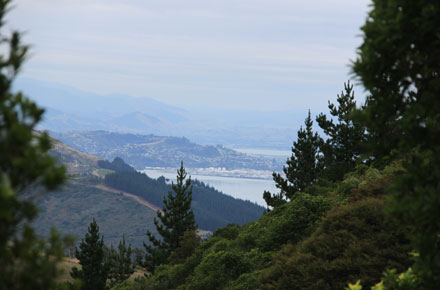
265 152
243 188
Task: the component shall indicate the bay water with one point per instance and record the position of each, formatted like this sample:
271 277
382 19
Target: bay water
244 188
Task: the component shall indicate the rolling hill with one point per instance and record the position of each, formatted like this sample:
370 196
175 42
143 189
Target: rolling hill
159 151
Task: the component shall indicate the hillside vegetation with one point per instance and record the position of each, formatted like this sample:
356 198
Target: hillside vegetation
311 242
71 209
97 189
67 264
211 208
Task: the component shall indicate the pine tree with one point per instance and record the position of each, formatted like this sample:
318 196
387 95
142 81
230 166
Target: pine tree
26 261
345 136
91 256
175 219
301 168
120 265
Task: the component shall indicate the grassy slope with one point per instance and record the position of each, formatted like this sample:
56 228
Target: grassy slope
68 263
75 161
73 208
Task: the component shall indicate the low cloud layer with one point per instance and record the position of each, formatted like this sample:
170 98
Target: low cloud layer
272 54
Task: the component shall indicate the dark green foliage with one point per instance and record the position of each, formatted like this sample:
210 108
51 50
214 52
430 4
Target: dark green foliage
94 270
288 223
139 184
116 165
301 168
119 263
217 269
211 208
345 136
138 256
176 218
415 202
233 260
355 241
404 281
187 245
171 276
29 262
398 63
366 181
247 281
394 281
400 68
233 256
155 256
26 262
127 285
230 232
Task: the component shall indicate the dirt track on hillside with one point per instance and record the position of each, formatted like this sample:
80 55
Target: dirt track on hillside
130 195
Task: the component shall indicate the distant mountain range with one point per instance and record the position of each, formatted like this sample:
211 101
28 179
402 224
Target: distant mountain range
70 109
143 151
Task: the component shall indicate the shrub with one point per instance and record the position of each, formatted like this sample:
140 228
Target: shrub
354 241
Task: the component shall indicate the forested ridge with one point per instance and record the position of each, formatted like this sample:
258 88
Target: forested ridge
212 209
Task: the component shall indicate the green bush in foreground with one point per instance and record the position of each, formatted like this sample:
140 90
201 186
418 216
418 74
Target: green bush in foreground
288 223
26 261
233 256
393 281
398 64
354 241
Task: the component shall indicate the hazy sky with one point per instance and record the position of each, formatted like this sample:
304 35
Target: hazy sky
256 54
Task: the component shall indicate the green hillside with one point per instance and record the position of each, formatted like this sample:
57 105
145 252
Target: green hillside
311 242
71 210
120 210
212 208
